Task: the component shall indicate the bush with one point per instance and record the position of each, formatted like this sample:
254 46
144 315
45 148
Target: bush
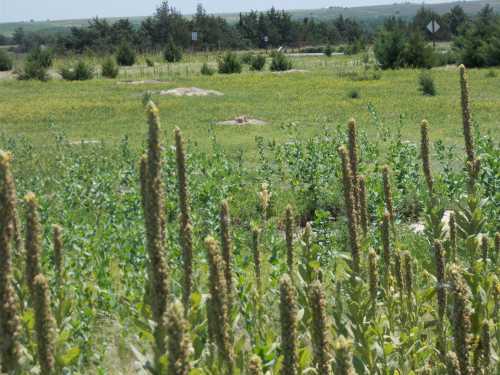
354 94
150 63
81 71
328 51
247 58
125 55
491 74
110 69
229 64
426 82
280 62
41 56
206 70
37 63
417 53
355 47
258 62
6 63
172 53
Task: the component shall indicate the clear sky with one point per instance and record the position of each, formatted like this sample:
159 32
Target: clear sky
23 10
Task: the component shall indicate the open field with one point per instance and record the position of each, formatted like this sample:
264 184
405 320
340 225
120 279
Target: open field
312 100
250 250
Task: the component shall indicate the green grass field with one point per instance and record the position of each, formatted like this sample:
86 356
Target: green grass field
293 211
312 100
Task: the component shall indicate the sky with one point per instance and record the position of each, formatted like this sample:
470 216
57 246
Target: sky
24 10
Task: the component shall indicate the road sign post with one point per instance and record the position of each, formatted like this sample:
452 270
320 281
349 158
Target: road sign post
433 27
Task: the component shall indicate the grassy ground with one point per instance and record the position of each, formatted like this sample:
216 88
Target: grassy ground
312 100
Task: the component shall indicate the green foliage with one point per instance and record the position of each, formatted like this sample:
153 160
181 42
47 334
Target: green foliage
394 49
280 62
110 69
389 48
479 43
125 56
355 47
37 64
258 63
172 53
229 64
150 63
207 70
101 306
418 53
426 83
81 71
328 51
6 62
42 57
354 94
491 74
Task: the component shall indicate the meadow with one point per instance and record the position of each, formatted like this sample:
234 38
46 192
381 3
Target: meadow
311 101
308 245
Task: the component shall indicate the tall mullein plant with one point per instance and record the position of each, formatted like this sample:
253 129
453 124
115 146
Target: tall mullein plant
10 348
469 218
153 195
227 251
434 210
33 239
218 313
352 215
186 228
288 317
44 325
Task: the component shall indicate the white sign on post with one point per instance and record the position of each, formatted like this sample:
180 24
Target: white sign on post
194 36
433 26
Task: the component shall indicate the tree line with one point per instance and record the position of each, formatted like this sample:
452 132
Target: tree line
397 42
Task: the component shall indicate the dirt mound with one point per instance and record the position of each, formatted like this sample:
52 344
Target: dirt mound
291 71
190 91
144 82
243 120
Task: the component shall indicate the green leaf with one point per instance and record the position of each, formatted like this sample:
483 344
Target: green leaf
69 358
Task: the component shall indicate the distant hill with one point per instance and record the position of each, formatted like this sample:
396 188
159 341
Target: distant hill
366 13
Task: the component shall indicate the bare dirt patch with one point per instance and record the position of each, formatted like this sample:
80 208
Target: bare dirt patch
291 71
143 82
6 75
242 121
190 91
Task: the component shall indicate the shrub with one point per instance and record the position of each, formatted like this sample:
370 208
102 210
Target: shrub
328 51
354 94
355 47
258 62
41 56
491 74
280 62
206 70
110 69
417 53
150 63
229 64
6 63
125 55
247 58
36 65
172 53
81 71
426 82
389 47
